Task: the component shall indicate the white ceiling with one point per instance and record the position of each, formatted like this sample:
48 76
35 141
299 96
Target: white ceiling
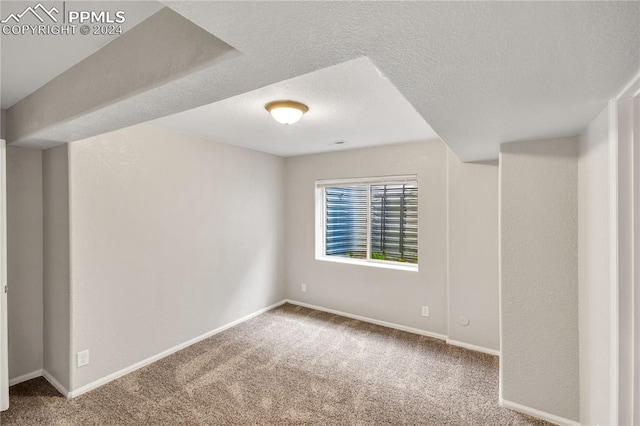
349 102
480 73
30 61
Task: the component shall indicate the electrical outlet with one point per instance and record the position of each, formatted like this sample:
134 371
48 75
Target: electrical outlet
425 311
303 287
83 358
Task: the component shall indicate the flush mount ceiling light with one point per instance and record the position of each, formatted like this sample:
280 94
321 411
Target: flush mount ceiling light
286 112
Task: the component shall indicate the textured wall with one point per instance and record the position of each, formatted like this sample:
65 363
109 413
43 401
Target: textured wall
57 305
626 285
473 252
24 260
636 169
595 267
539 275
384 294
3 124
146 56
172 236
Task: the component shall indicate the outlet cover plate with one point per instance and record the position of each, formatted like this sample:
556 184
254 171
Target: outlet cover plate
83 358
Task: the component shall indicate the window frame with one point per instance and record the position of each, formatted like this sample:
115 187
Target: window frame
321 224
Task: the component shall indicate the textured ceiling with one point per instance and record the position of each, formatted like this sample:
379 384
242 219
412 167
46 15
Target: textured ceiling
349 102
143 58
29 61
480 73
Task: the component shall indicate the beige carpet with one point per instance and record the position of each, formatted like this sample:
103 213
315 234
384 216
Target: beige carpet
291 365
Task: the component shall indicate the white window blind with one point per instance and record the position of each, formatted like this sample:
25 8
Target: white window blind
346 221
370 219
394 222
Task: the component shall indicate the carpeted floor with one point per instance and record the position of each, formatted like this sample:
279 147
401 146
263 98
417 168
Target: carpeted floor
291 365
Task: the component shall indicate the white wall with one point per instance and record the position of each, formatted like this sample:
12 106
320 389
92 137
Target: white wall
595 267
172 236
3 123
389 295
636 247
446 186
625 271
473 252
56 291
539 275
4 349
24 260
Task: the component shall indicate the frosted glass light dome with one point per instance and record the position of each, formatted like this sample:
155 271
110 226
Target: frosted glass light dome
286 112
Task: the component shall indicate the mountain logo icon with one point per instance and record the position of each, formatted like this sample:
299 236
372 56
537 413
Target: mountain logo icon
39 11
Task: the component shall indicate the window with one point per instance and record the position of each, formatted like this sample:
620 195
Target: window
371 221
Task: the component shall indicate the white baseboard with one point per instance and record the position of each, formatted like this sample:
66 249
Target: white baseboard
41 373
474 347
399 327
97 383
371 320
104 380
25 377
56 384
561 421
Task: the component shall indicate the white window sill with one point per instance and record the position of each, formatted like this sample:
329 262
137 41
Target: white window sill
372 263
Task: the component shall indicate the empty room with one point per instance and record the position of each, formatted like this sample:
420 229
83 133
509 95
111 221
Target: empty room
319 213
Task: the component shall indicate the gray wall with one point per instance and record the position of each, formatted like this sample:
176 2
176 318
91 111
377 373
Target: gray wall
165 245
539 275
384 294
24 260
172 236
473 252
636 219
595 268
3 124
397 296
625 255
56 264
